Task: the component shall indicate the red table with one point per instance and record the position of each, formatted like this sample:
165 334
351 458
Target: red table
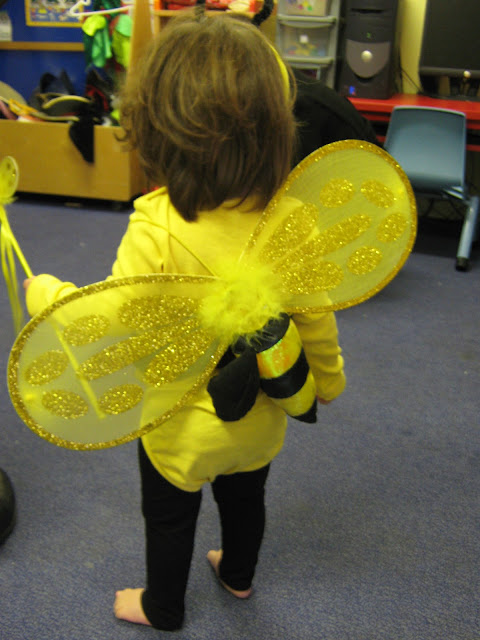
378 111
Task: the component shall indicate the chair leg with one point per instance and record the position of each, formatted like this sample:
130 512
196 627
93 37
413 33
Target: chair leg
467 236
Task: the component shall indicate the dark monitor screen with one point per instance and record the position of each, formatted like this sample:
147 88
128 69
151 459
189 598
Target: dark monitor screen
451 40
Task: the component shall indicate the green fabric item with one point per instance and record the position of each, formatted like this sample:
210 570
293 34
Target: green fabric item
124 25
106 4
96 41
121 40
93 24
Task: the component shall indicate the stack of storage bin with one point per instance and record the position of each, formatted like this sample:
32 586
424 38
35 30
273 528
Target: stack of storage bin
307 35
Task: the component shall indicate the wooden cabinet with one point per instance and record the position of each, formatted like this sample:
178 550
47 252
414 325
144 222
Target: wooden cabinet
49 162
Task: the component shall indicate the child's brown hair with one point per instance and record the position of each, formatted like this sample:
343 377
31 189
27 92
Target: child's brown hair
210 114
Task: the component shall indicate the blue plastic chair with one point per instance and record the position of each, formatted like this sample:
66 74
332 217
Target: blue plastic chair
430 145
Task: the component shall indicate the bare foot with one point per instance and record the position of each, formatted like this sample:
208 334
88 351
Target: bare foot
214 558
128 606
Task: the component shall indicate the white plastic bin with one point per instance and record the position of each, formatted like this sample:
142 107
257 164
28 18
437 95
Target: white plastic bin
303 37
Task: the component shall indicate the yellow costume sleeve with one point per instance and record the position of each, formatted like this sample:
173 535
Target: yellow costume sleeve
137 254
320 340
44 291
139 250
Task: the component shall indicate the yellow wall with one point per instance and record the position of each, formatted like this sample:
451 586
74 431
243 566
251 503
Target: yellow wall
410 22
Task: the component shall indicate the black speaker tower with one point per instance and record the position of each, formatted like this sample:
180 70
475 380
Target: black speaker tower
368 59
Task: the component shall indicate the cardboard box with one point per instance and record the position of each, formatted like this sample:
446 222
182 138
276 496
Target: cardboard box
49 162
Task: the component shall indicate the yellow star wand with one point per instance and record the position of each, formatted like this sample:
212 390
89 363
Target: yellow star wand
9 247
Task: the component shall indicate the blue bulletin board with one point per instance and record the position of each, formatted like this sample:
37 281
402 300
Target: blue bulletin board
50 13
22 69
21 14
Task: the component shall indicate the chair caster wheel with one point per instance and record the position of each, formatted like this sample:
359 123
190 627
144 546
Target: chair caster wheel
462 264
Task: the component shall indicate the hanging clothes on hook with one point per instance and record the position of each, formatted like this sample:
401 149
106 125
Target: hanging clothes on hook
78 11
107 37
96 41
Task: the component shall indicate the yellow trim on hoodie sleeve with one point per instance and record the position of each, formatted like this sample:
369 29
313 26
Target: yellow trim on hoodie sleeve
320 341
45 290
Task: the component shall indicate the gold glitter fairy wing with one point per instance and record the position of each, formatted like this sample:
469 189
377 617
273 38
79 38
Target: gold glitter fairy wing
339 230
113 360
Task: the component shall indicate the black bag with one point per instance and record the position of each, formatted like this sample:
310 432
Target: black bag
324 116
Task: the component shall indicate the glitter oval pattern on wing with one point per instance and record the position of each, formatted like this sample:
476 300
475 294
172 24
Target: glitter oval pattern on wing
46 367
364 260
377 193
293 230
337 192
392 228
86 330
65 404
147 312
120 399
305 279
167 365
128 351
337 236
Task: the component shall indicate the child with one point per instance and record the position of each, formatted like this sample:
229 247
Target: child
210 112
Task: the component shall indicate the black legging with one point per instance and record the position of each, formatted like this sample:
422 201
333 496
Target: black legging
170 521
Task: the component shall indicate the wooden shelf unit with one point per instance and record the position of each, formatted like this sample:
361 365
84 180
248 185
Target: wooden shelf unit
161 17
48 160
41 46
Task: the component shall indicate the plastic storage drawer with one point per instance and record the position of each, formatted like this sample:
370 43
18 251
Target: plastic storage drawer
307 8
304 39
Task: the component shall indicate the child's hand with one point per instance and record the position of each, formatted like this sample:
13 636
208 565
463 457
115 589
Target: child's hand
28 282
322 401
